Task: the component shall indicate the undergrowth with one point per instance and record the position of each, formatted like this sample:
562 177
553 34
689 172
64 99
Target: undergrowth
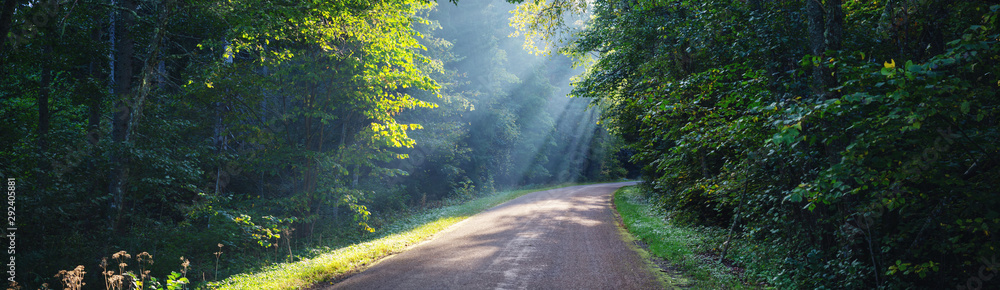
694 250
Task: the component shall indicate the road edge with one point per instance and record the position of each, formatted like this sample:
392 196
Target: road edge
666 276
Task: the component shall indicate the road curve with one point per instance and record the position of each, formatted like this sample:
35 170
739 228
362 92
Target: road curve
564 238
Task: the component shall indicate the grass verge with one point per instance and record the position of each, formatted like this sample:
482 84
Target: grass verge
688 249
399 235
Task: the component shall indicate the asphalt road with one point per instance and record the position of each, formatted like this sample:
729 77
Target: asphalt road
563 238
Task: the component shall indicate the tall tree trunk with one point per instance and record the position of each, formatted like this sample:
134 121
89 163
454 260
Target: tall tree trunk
309 181
832 38
355 173
43 104
129 99
343 133
6 20
94 125
834 24
218 142
94 115
43 176
817 43
123 73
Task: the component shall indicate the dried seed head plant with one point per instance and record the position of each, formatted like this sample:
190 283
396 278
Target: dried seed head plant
122 279
121 257
217 255
145 260
72 279
119 280
14 286
105 273
184 266
116 282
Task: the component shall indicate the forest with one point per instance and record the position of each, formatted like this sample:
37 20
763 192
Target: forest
852 144
229 135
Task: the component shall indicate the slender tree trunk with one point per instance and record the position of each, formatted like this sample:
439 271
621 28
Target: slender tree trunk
817 43
343 139
94 117
94 111
43 105
123 73
354 182
218 142
319 150
704 164
129 100
833 38
6 20
834 24
44 175
343 133
310 162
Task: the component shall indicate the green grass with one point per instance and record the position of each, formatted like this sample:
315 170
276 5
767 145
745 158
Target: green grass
399 235
686 248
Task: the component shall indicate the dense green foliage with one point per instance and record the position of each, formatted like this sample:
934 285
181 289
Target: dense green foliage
856 142
237 134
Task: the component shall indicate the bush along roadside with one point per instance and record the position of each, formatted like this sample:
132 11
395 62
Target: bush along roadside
696 251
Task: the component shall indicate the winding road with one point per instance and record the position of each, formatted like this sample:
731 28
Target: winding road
565 238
